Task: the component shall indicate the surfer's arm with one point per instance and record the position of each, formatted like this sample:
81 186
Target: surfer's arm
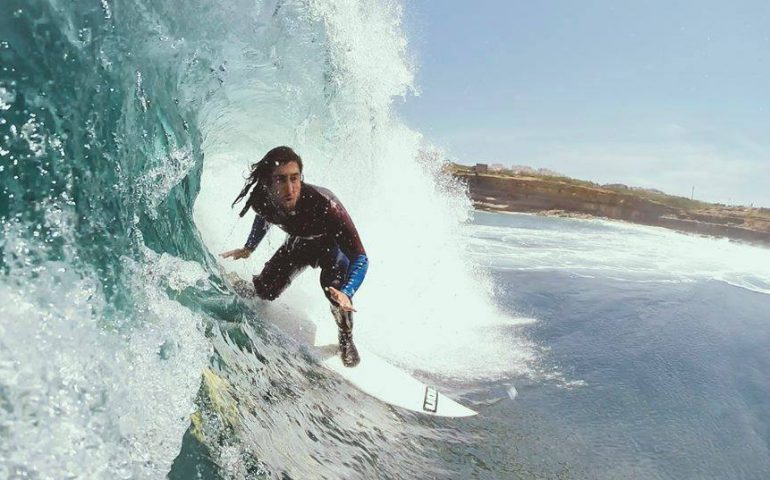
350 243
258 230
356 273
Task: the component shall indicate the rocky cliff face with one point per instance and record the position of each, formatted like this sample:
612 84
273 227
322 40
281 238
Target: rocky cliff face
548 195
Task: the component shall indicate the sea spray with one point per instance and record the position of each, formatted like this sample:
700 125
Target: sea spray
421 305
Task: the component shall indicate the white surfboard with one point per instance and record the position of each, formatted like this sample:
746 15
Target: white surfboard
383 381
373 375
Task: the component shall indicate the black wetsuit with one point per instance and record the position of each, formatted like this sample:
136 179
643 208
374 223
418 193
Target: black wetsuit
321 234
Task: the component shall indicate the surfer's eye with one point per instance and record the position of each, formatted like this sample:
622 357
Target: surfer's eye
281 179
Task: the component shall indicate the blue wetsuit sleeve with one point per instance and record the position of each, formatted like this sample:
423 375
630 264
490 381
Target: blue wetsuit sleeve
346 235
356 273
258 230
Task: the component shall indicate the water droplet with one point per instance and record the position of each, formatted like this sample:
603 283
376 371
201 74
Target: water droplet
512 393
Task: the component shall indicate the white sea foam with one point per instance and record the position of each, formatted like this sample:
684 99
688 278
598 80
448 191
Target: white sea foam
157 183
86 394
618 251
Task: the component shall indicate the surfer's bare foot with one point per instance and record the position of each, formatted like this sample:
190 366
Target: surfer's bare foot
244 289
240 286
348 350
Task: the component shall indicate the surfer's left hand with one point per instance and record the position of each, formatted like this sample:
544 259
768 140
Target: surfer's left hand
342 300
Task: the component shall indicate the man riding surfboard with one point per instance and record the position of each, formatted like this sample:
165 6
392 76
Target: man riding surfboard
320 234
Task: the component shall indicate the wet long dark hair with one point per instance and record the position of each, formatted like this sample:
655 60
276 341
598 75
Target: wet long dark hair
261 172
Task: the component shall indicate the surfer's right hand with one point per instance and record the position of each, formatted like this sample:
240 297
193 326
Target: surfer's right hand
342 300
236 254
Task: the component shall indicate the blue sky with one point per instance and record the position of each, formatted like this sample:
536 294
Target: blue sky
666 95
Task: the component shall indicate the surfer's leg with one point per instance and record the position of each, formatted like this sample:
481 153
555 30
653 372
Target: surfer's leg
348 350
334 272
280 270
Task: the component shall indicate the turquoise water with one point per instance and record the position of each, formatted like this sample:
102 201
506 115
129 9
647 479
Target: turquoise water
590 349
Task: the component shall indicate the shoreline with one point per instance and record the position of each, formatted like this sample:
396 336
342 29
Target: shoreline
566 197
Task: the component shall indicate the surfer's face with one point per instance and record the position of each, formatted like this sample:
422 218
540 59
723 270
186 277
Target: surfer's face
285 184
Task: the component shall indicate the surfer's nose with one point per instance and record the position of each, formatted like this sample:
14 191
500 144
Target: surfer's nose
293 187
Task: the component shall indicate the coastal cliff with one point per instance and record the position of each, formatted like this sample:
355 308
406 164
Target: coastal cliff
569 197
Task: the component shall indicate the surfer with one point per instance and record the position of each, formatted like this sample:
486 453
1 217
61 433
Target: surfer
320 234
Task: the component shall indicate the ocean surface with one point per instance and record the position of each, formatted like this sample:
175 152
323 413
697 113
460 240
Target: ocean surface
590 349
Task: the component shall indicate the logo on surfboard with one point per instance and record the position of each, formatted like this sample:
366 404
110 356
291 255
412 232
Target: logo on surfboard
430 403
